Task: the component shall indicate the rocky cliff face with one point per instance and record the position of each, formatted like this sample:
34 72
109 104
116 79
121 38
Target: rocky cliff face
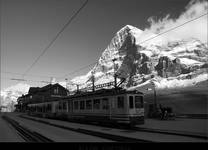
136 58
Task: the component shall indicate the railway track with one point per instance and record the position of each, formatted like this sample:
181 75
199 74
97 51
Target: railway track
187 134
26 134
116 138
120 138
168 132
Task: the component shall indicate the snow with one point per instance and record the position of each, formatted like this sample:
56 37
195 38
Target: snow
164 83
169 84
9 95
147 53
18 87
146 39
188 61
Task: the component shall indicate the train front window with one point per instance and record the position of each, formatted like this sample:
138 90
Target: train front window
120 102
89 104
82 105
131 102
138 101
96 104
105 103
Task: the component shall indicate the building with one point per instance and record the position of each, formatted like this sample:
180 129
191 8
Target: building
47 93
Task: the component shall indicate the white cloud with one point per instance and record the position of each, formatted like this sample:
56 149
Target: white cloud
195 29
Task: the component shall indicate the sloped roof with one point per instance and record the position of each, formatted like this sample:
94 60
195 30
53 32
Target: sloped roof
34 90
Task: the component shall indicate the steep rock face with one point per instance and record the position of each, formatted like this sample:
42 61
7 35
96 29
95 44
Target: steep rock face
167 67
136 58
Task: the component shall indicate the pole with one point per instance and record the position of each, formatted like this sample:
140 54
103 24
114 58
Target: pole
115 76
66 82
93 83
155 99
155 95
77 88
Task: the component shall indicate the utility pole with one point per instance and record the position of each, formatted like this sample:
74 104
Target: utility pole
93 83
77 88
115 76
66 82
155 96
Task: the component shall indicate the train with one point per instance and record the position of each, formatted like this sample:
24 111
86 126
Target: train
103 106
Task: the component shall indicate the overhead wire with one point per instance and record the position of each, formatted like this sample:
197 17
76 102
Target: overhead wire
31 75
56 37
79 69
159 34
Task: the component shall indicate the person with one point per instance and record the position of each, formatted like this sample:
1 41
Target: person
162 112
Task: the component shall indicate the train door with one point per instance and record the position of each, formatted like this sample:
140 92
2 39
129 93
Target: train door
136 105
139 105
131 104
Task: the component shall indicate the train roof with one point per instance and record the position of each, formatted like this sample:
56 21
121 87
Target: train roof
104 92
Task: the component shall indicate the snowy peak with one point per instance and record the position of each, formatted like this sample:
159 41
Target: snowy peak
139 54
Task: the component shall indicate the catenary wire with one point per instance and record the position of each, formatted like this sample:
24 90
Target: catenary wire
56 37
159 34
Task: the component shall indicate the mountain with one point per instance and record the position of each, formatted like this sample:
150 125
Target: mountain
141 57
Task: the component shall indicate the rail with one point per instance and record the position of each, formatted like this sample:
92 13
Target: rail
26 134
112 137
167 132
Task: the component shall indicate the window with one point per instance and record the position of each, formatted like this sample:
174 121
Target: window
120 102
57 105
56 90
138 101
76 105
131 102
60 105
105 103
48 108
89 104
96 104
64 106
44 108
82 105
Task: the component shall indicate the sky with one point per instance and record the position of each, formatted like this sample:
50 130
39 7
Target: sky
28 26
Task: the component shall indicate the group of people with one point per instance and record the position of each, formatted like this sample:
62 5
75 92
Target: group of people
166 112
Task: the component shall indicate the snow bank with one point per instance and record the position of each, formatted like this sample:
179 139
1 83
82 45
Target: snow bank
188 61
164 83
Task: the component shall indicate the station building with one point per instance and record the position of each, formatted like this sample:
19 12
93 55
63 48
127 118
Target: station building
49 92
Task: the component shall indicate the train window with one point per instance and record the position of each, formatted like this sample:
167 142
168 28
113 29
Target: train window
76 105
89 104
120 102
96 104
43 108
82 104
64 106
138 101
57 106
49 107
105 103
131 102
